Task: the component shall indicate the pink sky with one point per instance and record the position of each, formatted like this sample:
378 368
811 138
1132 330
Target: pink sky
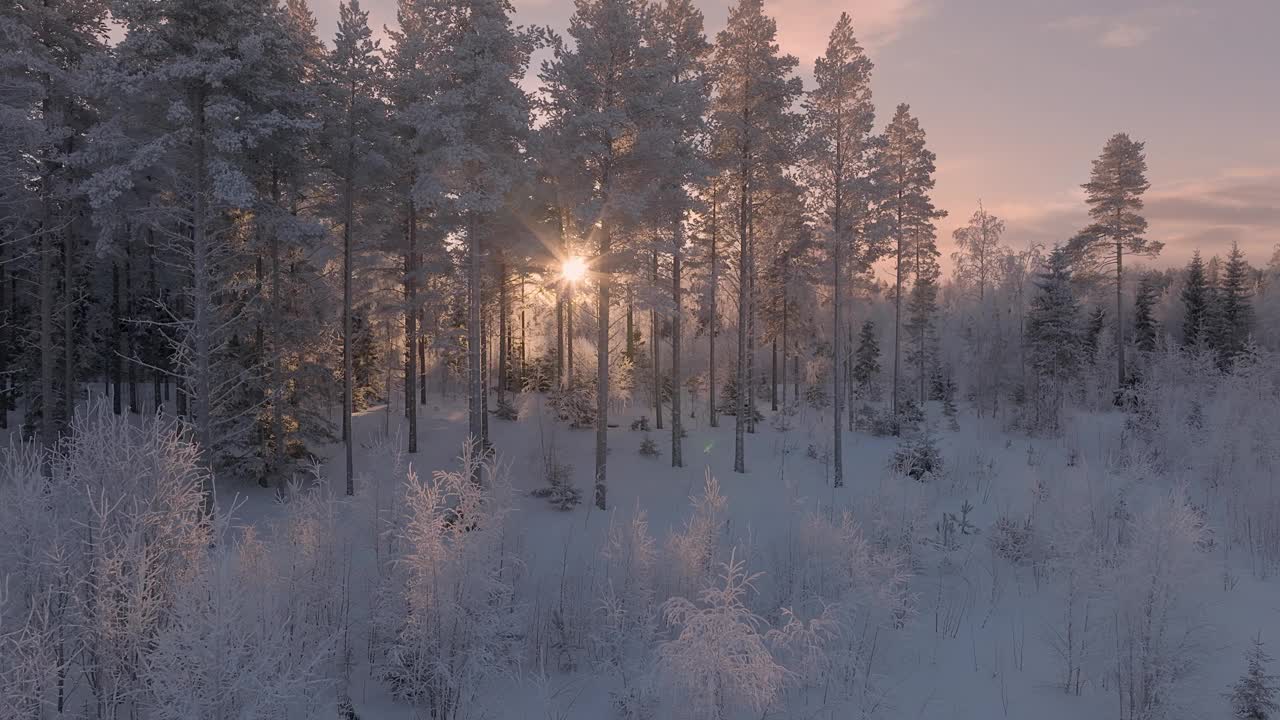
1018 96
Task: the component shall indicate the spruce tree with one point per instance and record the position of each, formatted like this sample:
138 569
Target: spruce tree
1195 302
1255 694
1233 321
866 365
1145 329
1053 332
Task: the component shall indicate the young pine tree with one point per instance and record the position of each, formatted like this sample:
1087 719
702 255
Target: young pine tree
1195 301
1255 694
866 362
1233 321
1053 333
1145 328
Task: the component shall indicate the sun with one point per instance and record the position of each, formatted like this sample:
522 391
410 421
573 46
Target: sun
574 269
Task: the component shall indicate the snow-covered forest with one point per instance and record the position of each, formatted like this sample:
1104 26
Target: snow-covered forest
469 369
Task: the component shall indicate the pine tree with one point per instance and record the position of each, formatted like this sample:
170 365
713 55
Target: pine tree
1053 333
196 113
1232 323
866 368
1255 694
921 307
1145 329
355 141
1195 301
592 95
756 132
681 51
45 111
904 173
1093 325
1114 194
840 120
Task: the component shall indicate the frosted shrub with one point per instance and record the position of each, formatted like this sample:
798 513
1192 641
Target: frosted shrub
448 610
623 638
719 659
693 548
918 458
1158 569
233 651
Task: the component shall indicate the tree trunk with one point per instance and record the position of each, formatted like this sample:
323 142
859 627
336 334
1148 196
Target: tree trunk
630 350
201 300
837 356
657 355
744 299
68 321
504 347
6 319
474 418
117 342
48 403
897 315
712 414
411 327
677 249
278 382
1119 316
785 346
348 380
131 350
604 270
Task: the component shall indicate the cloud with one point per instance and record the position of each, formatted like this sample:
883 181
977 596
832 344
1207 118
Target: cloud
1126 30
805 25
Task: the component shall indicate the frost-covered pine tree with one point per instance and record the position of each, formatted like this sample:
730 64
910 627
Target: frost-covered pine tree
355 141
191 117
755 136
1232 323
1196 296
866 362
1255 694
1053 331
840 118
46 106
904 170
592 94
1145 329
1114 194
681 50
479 117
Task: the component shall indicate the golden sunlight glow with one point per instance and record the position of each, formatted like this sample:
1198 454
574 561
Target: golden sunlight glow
573 269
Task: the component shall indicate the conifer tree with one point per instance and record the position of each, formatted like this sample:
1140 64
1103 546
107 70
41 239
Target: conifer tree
355 141
592 95
756 132
1145 330
1114 194
1195 301
1232 323
904 174
840 118
866 367
1255 694
1053 332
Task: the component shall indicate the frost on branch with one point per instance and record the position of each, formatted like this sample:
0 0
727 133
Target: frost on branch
719 659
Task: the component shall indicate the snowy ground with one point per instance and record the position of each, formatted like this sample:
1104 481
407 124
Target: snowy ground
978 645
